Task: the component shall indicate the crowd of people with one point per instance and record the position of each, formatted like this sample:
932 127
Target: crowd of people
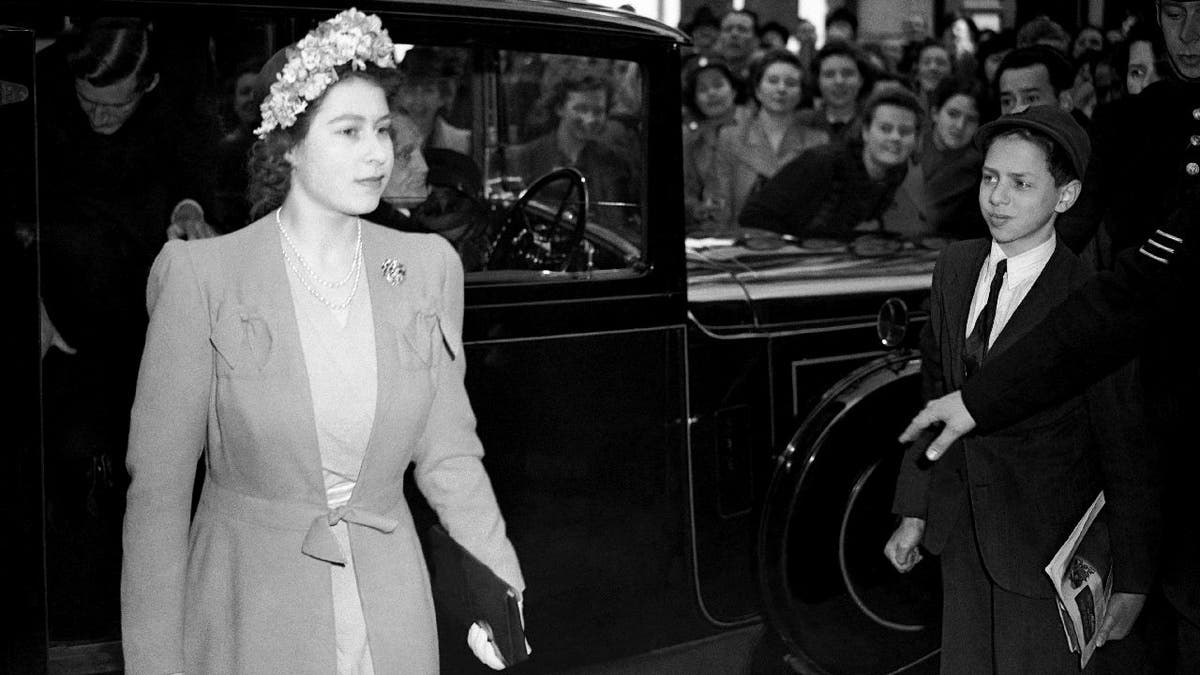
1018 139
1054 358
757 98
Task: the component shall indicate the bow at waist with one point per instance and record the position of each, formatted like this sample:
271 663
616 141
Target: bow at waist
319 541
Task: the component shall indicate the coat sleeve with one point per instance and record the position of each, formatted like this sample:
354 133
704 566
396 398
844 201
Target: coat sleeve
1131 473
719 183
449 470
787 201
1093 332
912 483
166 437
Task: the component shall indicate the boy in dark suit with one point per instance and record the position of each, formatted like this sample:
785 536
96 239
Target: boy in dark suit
998 508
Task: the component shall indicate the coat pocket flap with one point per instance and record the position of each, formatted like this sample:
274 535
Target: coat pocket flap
242 336
428 331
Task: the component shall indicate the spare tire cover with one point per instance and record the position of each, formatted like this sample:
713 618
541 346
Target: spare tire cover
829 592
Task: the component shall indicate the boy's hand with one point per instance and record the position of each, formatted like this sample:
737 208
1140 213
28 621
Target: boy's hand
1123 610
901 549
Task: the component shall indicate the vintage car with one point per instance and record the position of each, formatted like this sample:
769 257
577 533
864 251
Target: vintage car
691 439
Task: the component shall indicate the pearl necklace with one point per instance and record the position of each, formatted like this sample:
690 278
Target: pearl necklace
354 268
311 271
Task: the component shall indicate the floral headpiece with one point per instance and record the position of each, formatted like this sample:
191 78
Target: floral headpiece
350 37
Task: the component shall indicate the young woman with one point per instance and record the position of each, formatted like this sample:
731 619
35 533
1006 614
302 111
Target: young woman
709 97
842 77
950 162
313 356
426 92
750 154
934 64
1144 59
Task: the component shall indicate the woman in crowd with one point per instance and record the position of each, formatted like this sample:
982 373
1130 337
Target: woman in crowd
1145 59
842 188
950 162
749 154
988 58
960 36
231 209
1088 39
312 356
842 77
427 91
933 65
1095 82
709 99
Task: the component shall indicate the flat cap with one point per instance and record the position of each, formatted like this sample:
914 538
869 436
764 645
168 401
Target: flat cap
1050 120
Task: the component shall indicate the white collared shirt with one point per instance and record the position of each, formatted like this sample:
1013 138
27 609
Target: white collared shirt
1023 270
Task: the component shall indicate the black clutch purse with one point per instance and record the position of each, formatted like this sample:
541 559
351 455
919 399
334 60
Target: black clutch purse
467 590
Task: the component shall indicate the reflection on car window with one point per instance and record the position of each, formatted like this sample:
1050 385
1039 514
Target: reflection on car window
529 165
572 125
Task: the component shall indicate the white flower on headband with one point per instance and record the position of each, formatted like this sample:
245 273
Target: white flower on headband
350 37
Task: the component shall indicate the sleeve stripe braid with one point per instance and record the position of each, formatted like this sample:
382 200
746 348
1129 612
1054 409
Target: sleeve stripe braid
1178 240
1150 255
1168 249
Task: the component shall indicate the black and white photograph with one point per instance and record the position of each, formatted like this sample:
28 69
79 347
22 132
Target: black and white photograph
601 337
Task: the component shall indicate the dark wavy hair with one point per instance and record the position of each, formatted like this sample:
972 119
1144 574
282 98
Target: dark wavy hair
693 75
838 48
893 96
956 85
584 83
110 49
269 170
759 70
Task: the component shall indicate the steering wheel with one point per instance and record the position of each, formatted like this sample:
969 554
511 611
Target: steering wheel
544 234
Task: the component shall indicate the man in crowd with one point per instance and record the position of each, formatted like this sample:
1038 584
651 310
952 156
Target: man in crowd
738 43
1143 306
1035 75
841 25
120 156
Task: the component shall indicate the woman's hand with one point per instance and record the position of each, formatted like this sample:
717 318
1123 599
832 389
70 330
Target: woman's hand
480 641
50 335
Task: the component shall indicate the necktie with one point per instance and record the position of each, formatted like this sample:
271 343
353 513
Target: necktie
976 347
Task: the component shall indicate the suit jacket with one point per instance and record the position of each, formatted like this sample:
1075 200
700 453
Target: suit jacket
1026 485
246 586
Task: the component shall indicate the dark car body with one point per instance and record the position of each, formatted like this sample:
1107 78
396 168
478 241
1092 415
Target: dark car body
687 438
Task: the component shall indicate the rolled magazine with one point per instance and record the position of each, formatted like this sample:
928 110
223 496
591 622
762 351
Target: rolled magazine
1081 574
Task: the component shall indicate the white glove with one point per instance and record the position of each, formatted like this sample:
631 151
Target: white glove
479 639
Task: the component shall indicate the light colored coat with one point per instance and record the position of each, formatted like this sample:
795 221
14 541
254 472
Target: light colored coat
246 587
745 159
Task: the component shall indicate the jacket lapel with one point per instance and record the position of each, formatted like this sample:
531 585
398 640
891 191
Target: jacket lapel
1051 287
959 290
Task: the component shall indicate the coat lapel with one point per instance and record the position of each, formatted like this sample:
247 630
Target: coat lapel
266 277
384 297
